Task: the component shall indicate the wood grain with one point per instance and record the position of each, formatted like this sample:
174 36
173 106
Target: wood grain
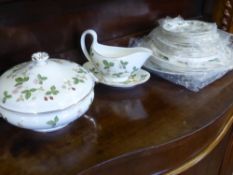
150 129
188 164
227 165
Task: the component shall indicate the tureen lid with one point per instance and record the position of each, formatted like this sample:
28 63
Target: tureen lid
44 85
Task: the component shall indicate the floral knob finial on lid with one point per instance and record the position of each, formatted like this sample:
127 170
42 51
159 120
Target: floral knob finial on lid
40 57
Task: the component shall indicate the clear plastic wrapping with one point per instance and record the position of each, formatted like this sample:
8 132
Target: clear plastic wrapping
192 81
190 53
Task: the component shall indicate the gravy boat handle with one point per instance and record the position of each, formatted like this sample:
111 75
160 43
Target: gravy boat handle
83 44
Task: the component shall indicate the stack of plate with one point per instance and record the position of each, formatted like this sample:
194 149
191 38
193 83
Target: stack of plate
189 46
191 53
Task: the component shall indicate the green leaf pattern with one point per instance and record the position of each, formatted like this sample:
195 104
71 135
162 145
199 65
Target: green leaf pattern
79 70
134 78
53 91
77 80
118 74
107 64
94 70
21 80
41 78
143 76
28 93
6 96
53 122
135 69
124 64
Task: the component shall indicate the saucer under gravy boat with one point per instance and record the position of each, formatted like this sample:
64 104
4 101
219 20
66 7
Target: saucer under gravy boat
116 64
136 78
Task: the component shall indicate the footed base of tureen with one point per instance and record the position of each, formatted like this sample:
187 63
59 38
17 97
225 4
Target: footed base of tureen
50 129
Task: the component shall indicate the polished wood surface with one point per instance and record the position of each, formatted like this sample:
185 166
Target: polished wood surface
154 128
211 164
145 125
208 150
227 166
224 14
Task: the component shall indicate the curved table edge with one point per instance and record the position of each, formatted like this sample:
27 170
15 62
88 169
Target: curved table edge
204 152
226 125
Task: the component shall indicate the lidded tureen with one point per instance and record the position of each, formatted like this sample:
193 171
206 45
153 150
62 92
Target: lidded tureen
45 94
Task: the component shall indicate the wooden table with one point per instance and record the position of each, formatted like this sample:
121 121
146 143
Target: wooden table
152 128
155 128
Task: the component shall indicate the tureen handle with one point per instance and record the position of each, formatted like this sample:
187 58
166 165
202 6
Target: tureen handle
40 57
91 120
83 45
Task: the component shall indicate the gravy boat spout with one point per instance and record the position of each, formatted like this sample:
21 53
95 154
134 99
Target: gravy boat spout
115 63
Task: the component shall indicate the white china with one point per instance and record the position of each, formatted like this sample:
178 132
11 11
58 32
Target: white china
154 67
179 27
190 65
136 78
48 121
193 52
45 94
116 64
190 53
189 46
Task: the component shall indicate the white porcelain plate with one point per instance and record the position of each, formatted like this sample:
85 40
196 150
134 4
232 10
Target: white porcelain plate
181 26
136 78
155 68
152 67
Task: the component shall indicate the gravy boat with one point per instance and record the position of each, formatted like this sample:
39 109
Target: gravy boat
116 64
